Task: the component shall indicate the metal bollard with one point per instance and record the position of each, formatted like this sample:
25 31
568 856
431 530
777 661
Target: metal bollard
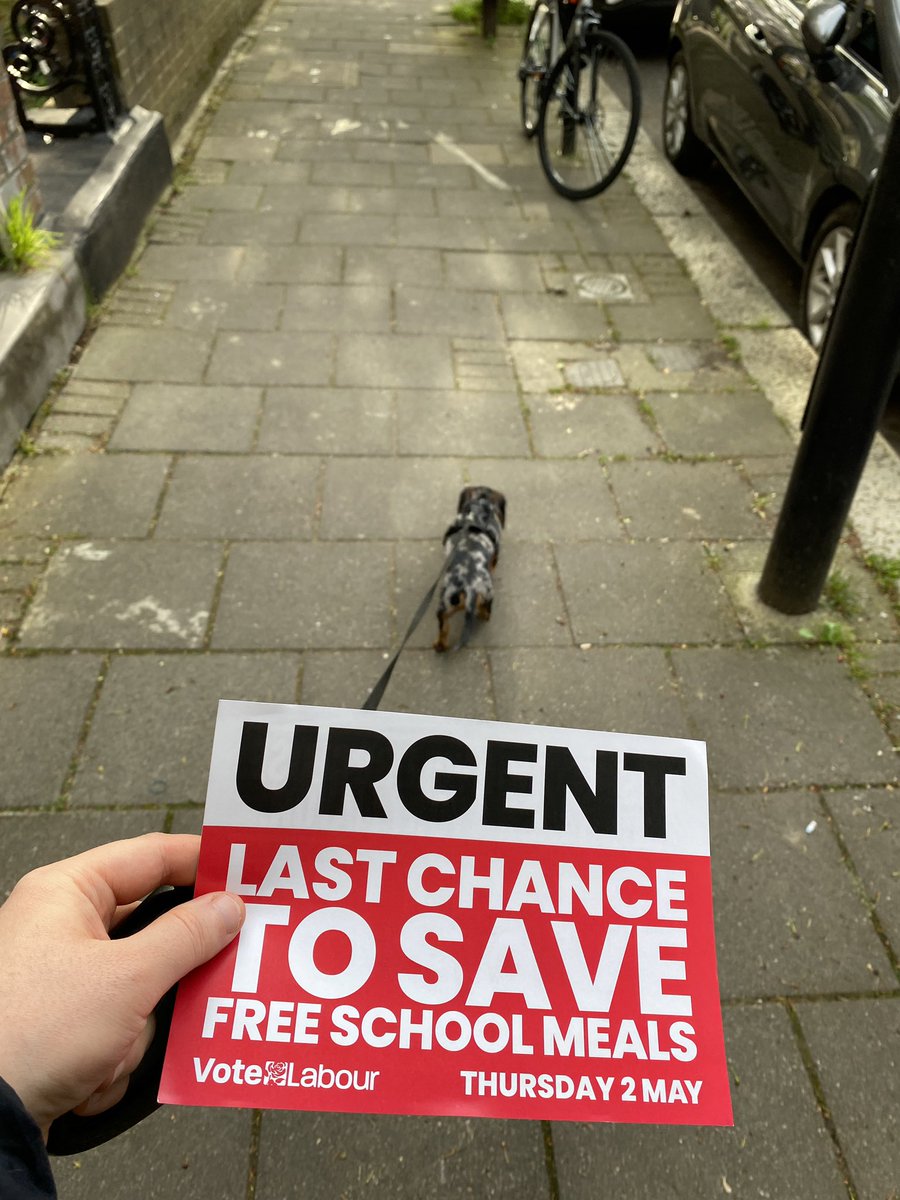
860 361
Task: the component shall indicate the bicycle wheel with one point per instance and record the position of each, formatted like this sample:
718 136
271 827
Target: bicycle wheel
535 65
589 115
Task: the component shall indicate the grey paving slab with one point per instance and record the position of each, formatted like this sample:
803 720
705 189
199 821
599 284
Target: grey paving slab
459 202
151 733
459 313
233 496
209 306
573 425
389 497
263 229
675 317
634 234
271 358
41 693
335 198
733 424
145 355
441 233
547 318
29 840
869 824
555 500
321 1156
221 197
393 361
327 421
779 1146
433 175
628 690
776 717
493 272
85 495
176 1154
238 149
425 682
347 308
384 264
313 595
124 595
647 592
490 424
346 229
290 264
683 500
191 263
855 1045
185 417
788 915
527 237
528 608
354 174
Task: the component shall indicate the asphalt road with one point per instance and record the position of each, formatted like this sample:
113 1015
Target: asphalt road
724 201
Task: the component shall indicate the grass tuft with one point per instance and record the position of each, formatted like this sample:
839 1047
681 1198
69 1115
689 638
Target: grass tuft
23 246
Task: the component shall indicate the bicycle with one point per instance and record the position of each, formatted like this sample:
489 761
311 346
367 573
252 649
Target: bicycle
548 28
589 103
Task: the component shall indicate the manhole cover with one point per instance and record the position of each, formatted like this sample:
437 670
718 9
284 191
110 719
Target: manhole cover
676 358
604 287
599 373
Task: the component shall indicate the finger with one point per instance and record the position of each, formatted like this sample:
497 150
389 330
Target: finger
139 1048
101 1100
122 911
183 939
131 869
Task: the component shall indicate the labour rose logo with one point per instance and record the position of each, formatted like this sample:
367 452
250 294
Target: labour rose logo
276 1072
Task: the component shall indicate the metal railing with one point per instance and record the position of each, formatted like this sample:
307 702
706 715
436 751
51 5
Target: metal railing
59 67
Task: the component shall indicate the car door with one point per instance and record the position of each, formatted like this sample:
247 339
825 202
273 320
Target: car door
773 144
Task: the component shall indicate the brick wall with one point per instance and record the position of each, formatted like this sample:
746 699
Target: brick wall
16 167
166 52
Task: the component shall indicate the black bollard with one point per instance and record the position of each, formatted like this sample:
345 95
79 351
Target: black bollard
860 361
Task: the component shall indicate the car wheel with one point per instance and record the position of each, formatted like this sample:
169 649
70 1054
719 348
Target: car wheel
683 148
824 271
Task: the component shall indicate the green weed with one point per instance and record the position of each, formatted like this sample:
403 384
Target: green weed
509 12
887 576
22 245
841 597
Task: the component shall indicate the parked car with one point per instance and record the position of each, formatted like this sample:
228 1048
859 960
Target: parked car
795 101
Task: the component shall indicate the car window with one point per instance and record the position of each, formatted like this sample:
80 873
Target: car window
864 41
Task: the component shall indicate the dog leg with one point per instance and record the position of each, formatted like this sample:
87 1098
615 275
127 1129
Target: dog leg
442 642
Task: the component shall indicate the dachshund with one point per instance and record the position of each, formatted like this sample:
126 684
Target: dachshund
472 546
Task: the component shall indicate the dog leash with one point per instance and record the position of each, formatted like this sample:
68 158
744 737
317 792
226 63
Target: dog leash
374 697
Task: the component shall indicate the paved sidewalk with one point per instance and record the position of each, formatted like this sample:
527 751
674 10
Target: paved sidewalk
240 491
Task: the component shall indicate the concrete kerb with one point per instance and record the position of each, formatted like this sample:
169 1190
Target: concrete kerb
775 354
42 316
44 313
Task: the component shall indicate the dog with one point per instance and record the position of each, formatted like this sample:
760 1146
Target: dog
472 546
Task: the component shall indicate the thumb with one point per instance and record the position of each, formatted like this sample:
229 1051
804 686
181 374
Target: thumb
184 938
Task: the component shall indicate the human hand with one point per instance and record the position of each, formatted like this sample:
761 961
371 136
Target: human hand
76 1007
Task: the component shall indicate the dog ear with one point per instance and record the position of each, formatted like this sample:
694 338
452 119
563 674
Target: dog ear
464 497
501 507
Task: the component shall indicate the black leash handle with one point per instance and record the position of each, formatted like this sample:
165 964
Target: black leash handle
72 1134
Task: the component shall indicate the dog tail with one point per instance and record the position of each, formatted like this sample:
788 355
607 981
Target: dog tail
468 622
